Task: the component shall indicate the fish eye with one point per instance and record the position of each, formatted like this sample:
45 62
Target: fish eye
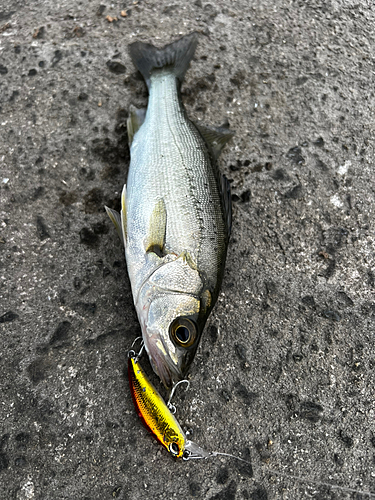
174 448
183 332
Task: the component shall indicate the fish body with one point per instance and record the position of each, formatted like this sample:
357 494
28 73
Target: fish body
176 213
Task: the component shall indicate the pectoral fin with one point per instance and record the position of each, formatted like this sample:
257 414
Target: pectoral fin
215 138
157 227
135 121
116 219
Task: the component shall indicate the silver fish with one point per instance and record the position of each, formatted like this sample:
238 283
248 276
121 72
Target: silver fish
175 212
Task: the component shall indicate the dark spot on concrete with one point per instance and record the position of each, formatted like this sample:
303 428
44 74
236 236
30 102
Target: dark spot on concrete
116 67
22 438
89 307
32 72
194 489
88 237
344 299
83 96
321 165
77 283
319 142
301 80
100 10
61 332
3 70
245 196
308 300
4 461
38 193
37 370
225 395
247 396
240 351
294 154
333 315
311 411
56 58
330 270
238 78
68 198
279 174
334 238
213 332
111 152
294 193
15 94
41 228
100 228
235 198
41 64
228 493
8 317
337 459
20 462
109 172
222 475
371 278
347 440
93 201
259 494
297 357
39 33
6 15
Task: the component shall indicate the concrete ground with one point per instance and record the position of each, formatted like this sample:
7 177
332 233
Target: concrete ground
284 375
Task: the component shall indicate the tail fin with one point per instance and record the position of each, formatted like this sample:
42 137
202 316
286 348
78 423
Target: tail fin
176 55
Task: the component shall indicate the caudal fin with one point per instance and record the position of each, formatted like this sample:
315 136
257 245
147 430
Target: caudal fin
176 56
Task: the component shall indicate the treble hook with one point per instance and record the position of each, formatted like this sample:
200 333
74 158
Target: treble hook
171 406
132 353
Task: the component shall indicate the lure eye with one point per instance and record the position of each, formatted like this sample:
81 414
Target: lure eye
174 449
183 332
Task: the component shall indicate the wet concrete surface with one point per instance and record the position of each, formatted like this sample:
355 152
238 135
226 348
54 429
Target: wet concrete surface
284 375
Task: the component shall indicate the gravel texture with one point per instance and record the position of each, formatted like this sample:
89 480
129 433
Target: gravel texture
284 376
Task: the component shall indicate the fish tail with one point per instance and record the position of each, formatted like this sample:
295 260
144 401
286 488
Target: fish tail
176 56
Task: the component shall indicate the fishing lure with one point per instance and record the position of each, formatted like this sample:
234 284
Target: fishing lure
158 418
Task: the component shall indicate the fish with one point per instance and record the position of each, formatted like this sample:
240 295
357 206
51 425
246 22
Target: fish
176 213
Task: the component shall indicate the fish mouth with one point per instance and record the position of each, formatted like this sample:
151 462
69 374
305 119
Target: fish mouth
159 361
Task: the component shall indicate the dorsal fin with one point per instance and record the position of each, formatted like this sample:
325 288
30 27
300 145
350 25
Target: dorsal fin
227 201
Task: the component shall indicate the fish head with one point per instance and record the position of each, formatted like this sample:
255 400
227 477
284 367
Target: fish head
171 332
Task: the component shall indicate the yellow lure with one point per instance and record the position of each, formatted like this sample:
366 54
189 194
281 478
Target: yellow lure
153 411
